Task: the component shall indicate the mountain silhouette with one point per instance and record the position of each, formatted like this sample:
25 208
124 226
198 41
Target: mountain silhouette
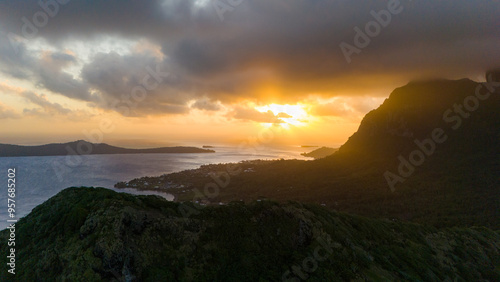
414 111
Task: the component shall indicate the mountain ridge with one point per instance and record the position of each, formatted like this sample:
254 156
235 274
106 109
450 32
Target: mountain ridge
95 234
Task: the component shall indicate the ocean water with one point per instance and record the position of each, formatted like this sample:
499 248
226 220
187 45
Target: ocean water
39 178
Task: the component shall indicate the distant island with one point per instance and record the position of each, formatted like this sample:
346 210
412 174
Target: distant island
208 147
320 153
82 147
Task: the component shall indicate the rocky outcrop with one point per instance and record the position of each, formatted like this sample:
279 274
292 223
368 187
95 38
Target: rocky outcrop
413 111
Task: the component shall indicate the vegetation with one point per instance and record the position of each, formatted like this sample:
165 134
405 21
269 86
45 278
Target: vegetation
85 234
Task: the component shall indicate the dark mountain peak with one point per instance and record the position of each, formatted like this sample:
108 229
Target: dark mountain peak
416 109
430 92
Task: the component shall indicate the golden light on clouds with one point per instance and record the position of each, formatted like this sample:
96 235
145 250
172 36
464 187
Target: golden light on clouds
266 65
295 115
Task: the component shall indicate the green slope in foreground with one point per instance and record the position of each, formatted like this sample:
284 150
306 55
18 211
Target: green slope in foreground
85 234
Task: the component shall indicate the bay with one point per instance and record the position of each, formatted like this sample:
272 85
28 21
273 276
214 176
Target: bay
39 178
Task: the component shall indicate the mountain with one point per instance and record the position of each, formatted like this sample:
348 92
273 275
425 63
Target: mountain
86 234
320 153
429 154
82 147
466 115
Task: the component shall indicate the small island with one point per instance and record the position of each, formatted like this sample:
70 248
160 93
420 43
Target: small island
82 147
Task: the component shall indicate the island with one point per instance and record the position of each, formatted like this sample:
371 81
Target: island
82 147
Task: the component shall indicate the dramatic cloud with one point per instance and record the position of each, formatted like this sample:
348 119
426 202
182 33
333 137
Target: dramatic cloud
44 69
139 83
51 77
15 62
263 51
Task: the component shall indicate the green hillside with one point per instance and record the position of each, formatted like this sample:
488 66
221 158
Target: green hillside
85 234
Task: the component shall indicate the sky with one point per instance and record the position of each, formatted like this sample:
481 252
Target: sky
162 72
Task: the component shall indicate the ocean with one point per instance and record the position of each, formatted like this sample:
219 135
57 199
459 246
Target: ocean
39 178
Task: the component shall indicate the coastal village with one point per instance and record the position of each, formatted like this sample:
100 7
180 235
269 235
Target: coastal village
188 179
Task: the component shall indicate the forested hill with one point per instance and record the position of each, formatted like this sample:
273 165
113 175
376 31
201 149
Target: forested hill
86 148
86 234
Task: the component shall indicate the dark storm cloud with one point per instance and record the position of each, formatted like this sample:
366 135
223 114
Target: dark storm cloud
45 71
15 64
139 83
64 83
264 51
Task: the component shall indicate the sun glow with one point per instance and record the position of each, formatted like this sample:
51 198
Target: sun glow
294 115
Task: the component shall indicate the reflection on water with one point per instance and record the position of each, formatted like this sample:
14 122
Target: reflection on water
39 178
